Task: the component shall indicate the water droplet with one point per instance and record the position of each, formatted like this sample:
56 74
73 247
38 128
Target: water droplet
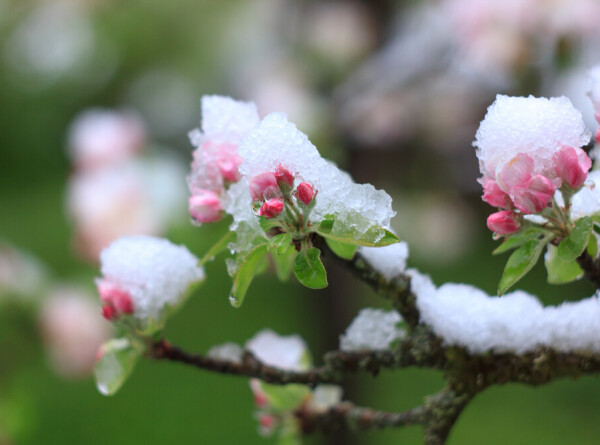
234 301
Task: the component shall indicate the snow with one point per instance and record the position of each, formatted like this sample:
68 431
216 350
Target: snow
284 352
155 272
227 351
517 322
372 329
390 260
531 125
587 201
277 141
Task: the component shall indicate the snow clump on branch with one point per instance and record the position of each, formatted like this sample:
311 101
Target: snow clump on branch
143 276
372 329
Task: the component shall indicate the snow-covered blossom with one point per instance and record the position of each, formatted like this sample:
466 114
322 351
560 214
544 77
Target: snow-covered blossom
285 352
21 274
275 143
215 160
372 329
131 198
98 138
389 261
152 272
528 148
73 329
463 315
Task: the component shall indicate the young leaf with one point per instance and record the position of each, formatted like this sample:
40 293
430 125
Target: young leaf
516 240
574 244
246 271
592 247
520 262
374 236
284 263
309 270
285 397
217 248
560 272
280 243
118 359
343 250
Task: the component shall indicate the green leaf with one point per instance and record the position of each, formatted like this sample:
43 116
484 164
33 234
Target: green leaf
119 357
573 245
285 398
309 269
560 272
280 243
374 236
592 247
516 240
343 250
268 224
284 263
248 268
217 248
520 262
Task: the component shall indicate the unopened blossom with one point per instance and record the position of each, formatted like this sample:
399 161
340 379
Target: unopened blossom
572 166
205 206
152 273
72 331
99 138
139 197
305 193
271 208
504 222
284 176
263 186
215 163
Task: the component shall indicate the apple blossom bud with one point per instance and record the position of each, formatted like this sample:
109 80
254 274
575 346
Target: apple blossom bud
494 195
266 421
572 166
284 176
534 196
271 208
263 185
305 192
228 163
109 312
503 222
205 206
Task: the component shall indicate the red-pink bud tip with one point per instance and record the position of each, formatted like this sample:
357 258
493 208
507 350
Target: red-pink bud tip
266 421
284 176
503 223
271 208
305 192
109 312
260 399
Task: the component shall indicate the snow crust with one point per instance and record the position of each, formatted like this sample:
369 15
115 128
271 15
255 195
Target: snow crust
536 126
277 141
372 329
227 351
587 200
154 271
517 322
284 352
225 120
390 260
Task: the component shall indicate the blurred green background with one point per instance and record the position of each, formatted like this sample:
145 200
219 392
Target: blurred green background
158 58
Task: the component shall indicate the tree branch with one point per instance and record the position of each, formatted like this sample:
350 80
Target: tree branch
590 267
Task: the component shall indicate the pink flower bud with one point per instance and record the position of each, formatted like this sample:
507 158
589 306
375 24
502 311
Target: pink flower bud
284 176
266 421
205 206
534 196
516 173
305 192
271 208
260 397
264 186
493 194
228 163
503 222
572 166
109 312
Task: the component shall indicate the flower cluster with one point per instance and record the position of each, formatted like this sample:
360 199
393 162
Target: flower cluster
215 160
528 148
144 276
